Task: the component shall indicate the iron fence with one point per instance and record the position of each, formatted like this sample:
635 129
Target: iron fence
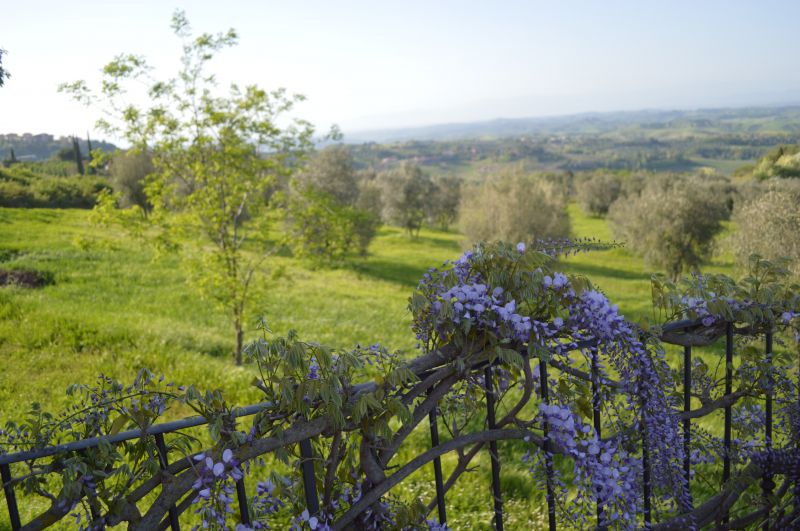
672 333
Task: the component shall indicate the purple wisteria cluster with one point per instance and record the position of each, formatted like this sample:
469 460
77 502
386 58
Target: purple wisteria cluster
603 470
215 487
511 298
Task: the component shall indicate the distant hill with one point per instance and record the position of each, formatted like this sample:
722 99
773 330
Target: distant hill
654 123
28 147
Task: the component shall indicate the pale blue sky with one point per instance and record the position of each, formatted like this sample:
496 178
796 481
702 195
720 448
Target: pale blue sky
372 64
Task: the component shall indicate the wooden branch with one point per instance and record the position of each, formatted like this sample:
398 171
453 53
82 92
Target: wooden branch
373 495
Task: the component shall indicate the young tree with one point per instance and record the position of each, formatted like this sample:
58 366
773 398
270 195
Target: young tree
671 222
215 157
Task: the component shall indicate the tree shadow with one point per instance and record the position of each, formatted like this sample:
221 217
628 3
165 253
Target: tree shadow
391 271
593 270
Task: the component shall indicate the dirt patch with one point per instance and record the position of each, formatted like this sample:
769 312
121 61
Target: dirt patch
24 278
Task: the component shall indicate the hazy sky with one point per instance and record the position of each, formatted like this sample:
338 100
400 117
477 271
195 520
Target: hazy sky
374 64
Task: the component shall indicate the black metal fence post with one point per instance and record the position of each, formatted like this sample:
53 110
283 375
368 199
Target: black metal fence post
241 496
548 457
495 458
767 484
645 471
309 478
437 466
596 421
11 500
687 423
726 459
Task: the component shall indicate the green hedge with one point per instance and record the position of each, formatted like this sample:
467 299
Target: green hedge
24 189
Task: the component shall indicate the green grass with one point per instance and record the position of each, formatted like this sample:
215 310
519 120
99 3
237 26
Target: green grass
114 309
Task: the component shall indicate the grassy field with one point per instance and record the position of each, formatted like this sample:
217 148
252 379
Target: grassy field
113 308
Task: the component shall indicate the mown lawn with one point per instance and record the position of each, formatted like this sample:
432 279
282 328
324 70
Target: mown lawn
114 308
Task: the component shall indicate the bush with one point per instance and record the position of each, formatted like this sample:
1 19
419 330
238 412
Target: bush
597 192
768 224
324 230
128 172
672 222
23 189
783 161
513 207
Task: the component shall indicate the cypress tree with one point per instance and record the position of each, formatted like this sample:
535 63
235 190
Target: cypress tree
78 157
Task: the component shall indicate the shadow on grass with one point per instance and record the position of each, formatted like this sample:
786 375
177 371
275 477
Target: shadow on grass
391 271
593 270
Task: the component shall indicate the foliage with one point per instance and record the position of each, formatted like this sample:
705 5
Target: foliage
4 73
369 194
769 225
671 223
331 172
323 219
513 207
325 230
215 158
406 194
20 188
444 201
783 161
597 192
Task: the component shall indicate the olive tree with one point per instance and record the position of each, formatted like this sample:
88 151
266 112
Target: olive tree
769 224
444 201
671 222
406 195
597 192
513 206
331 171
216 154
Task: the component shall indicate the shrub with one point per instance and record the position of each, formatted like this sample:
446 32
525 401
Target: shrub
597 192
128 172
783 161
323 229
672 222
23 189
513 207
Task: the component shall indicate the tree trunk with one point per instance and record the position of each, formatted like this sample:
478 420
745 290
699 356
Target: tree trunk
239 338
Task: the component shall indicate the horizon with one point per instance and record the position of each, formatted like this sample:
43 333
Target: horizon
379 68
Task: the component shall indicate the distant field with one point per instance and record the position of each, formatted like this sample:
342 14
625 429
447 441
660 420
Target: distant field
116 309
724 166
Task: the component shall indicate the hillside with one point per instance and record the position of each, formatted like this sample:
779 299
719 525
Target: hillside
29 147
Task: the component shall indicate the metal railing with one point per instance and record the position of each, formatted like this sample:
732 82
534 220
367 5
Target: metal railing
671 331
